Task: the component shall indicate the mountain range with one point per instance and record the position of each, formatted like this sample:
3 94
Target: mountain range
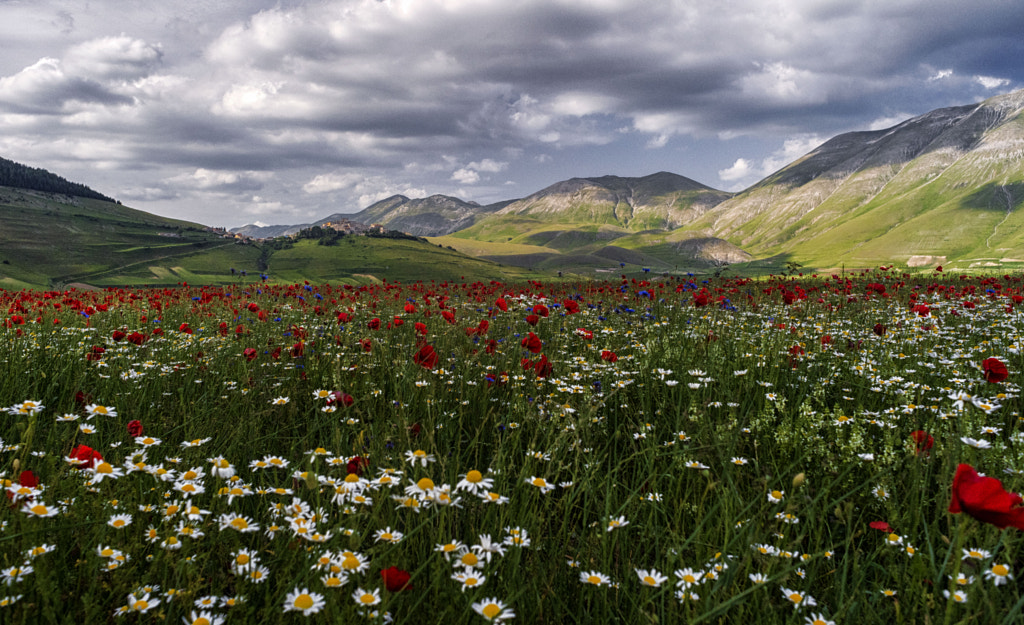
942 187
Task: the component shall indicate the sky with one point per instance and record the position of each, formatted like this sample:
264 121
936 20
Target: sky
231 112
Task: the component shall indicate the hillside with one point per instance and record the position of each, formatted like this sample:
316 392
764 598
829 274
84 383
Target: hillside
432 216
54 240
35 179
943 187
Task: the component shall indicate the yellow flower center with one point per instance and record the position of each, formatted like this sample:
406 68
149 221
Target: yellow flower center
303 602
332 582
425 483
140 605
796 597
649 580
419 453
594 579
202 620
491 610
242 559
367 598
239 523
470 559
39 509
474 477
351 478
539 481
1001 570
119 523
104 467
350 562
777 494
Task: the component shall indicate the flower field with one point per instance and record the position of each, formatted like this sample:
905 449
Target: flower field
814 449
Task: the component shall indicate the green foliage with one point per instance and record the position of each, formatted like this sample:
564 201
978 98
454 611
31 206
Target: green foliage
704 413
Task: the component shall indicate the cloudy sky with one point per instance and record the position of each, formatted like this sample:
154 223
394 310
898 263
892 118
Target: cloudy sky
230 112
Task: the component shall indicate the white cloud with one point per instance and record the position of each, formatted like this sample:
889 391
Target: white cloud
940 74
783 83
882 123
324 183
118 58
740 169
746 171
465 176
488 165
991 82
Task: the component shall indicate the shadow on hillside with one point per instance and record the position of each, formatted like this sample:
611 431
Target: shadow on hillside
996 197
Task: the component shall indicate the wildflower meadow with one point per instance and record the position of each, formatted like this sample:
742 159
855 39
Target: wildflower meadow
840 448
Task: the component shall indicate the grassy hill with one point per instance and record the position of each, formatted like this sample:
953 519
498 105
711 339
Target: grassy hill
942 188
51 241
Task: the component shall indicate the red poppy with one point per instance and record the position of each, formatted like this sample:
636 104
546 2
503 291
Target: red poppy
985 499
373 324
701 298
532 319
86 456
184 328
420 327
118 335
492 346
448 315
395 579
338 397
410 308
29 479
426 357
357 464
137 338
585 333
367 345
543 366
608 355
532 343
994 369
923 442
249 353
541 309
882 526
879 329
135 428
502 304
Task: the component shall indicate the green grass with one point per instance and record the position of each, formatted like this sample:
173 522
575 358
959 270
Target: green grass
679 439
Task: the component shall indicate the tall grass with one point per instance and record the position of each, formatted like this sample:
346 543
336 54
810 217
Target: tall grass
663 457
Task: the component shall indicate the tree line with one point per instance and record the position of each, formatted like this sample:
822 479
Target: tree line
24 177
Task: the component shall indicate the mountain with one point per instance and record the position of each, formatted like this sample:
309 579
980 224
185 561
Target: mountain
432 216
598 223
941 187
658 201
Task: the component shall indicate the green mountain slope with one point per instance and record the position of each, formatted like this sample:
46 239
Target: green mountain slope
944 187
53 240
